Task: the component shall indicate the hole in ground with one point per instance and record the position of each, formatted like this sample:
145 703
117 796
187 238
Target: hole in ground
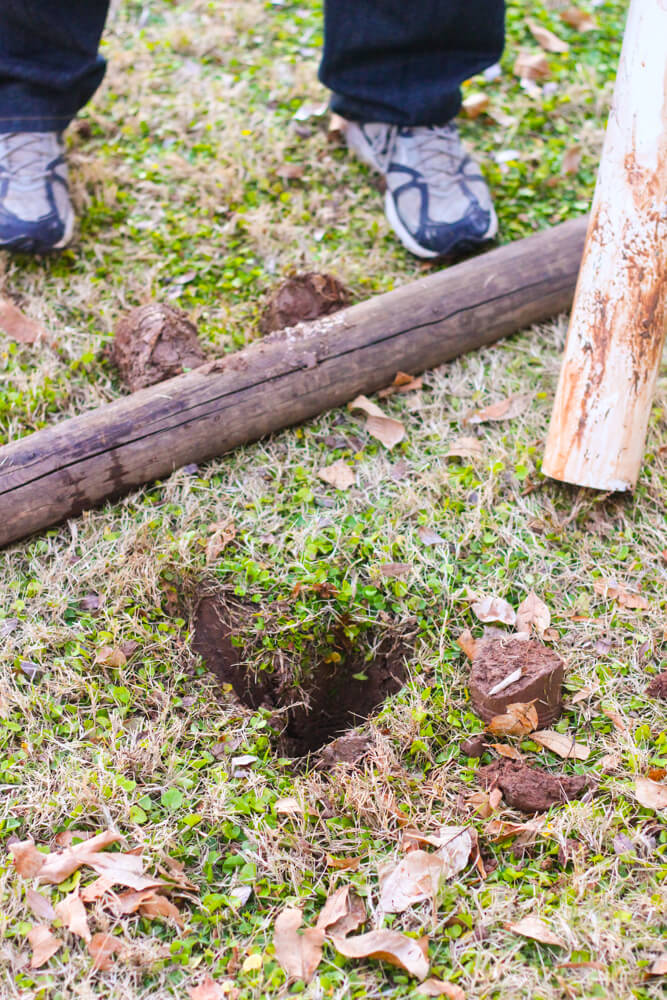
332 695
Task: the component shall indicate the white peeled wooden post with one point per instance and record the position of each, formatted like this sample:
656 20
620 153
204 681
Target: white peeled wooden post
617 325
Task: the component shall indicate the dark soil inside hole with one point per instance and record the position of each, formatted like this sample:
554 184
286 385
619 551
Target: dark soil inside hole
330 698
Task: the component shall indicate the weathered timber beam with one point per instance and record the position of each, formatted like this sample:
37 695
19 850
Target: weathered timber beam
284 379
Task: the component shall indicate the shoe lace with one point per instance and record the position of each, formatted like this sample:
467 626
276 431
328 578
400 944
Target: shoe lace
437 148
25 153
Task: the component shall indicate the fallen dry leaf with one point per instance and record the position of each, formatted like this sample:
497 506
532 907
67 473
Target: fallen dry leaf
532 66
27 859
474 104
610 762
288 807
56 867
467 643
504 409
415 879
519 720
72 912
439 988
505 751
102 948
465 447
95 890
579 19
582 694
339 475
398 571
498 829
616 720
454 845
157 905
389 946
481 803
208 989
387 430
17 325
343 912
429 537
222 533
40 905
572 160
44 945
532 613
535 928
494 609
298 954
659 966
402 383
343 864
123 869
651 794
546 39
610 588
561 744
110 656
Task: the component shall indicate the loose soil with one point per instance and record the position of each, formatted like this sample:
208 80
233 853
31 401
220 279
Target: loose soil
327 701
532 789
541 680
154 342
658 687
303 297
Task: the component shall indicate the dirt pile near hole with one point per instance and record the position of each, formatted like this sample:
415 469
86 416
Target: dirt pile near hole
532 789
541 678
658 687
331 697
303 297
154 342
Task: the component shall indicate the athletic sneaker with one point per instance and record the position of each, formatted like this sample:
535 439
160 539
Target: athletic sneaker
35 211
436 201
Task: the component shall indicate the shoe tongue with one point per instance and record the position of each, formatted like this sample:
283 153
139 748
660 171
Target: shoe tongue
28 153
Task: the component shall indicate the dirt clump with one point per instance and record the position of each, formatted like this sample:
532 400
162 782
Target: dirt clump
316 703
154 342
532 789
658 687
474 746
303 297
540 681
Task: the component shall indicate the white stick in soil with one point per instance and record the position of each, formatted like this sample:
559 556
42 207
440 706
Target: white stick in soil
617 326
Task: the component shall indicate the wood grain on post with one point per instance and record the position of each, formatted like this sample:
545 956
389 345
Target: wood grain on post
284 379
617 326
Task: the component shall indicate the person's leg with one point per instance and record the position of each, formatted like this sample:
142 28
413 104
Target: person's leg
49 63
395 70
402 63
49 68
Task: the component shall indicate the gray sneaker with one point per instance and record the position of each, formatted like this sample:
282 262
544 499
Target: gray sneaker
35 211
436 201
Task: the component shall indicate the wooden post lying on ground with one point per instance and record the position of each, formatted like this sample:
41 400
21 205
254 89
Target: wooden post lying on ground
617 326
286 378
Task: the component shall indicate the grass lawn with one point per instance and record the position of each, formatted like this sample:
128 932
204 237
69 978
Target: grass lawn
109 720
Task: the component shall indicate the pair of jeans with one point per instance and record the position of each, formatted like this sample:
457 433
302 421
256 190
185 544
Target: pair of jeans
384 60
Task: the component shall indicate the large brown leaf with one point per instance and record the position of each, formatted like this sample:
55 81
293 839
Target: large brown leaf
389 946
343 912
298 954
17 325
72 912
387 430
44 945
